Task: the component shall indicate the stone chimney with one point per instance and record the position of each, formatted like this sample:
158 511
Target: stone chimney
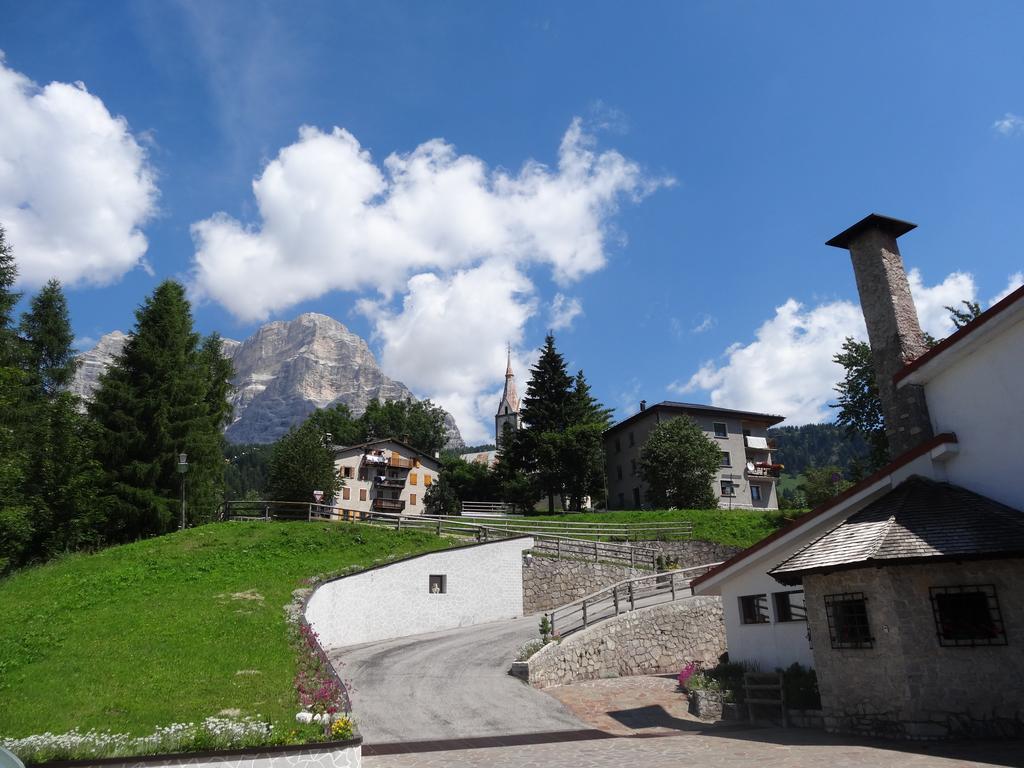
893 328
643 406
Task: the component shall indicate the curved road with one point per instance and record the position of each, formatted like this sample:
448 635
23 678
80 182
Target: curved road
448 685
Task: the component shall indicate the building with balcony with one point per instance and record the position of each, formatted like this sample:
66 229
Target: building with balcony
384 476
748 475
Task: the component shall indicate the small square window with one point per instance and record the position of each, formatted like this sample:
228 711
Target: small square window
728 489
726 460
362 494
789 606
412 499
848 625
438 584
967 616
720 429
754 609
755 492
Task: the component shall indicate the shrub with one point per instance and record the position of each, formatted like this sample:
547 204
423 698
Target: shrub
801 686
530 648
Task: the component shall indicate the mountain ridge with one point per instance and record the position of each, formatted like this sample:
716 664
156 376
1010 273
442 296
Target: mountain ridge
283 372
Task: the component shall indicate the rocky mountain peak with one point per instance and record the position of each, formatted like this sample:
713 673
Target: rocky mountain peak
283 372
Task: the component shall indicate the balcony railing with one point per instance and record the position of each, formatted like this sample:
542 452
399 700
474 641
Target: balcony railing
388 505
763 469
383 481
399 462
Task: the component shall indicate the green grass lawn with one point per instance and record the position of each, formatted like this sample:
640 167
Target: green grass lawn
171 629
736 527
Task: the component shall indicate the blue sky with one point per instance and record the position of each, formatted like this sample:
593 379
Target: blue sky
707 152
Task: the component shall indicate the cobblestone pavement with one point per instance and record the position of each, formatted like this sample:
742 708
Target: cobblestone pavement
645 704
717 748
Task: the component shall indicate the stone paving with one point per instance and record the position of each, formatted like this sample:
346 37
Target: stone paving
717 748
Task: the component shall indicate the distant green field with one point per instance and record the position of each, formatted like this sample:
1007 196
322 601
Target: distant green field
790 482
171 629
737 527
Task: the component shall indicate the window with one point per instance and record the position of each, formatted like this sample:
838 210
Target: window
362 494
728 489
848 625
396 495
622 496
726 460
636 498
346 493
632 442
362 473
755 492
413 478
968 616
438 584
720 429
618 471
789 606
754 609
427 480
632 466
346 472
618 446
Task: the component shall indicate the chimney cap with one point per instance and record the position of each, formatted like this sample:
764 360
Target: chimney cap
890 226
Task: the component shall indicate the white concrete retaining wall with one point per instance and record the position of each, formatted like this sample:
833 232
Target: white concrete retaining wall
482 583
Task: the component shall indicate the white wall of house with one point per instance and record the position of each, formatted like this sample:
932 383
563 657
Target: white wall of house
481 583
360 489
980 397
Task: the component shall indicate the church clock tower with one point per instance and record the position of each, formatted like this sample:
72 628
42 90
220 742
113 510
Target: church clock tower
508 407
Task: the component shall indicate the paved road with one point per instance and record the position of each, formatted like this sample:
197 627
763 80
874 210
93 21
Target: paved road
726 748
447 685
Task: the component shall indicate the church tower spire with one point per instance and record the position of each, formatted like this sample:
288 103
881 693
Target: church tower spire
508 406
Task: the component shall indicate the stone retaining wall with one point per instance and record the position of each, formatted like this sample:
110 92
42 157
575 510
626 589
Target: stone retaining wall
549 583
692 553
659 639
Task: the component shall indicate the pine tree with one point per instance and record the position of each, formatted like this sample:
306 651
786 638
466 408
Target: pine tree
548 393
583 457
47 352
161 397
16 528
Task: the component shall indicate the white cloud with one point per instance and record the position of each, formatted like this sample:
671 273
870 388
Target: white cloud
1013 282
564 309
448 339
707 322
788 368
931 302
332 219
451 238
75 186
1009 125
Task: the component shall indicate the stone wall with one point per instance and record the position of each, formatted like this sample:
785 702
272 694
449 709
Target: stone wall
549 583
692 553
907 685
659 639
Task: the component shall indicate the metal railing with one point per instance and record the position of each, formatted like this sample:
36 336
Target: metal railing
561 547
486 508
624 596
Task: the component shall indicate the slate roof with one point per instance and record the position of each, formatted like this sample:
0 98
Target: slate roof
920 519
711 410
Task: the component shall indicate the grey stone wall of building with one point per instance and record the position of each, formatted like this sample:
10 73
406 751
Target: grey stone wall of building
692 553
549 582
907 685
659 639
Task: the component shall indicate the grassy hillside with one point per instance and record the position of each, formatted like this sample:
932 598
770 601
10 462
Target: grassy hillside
172 629
736 527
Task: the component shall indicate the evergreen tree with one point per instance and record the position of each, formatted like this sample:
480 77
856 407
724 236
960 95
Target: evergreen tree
583 447
47 352
157 400
300 464
679 463
16 529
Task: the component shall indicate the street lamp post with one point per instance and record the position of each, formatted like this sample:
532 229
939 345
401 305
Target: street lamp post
182 469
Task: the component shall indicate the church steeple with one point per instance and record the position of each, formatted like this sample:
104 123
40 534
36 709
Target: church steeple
508 406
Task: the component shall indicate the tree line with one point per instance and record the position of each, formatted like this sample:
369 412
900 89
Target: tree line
75 478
